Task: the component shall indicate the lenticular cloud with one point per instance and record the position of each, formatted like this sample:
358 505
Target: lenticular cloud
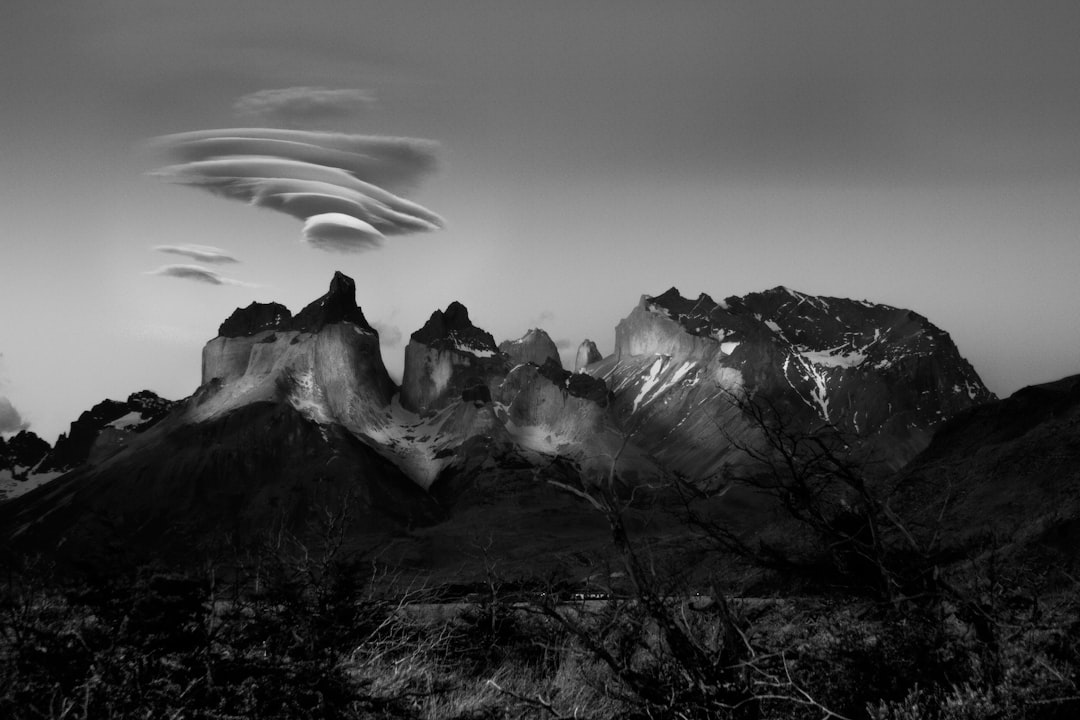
344 187
202 253
198 274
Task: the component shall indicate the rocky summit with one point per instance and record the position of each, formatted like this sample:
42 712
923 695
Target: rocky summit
297 410
446 357
535 347
587 354
884 375
325 362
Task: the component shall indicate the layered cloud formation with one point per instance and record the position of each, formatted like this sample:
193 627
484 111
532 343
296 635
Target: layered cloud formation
197 273
200 253
342 186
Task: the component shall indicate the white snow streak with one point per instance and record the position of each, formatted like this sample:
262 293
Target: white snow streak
650 380
131 419
833 357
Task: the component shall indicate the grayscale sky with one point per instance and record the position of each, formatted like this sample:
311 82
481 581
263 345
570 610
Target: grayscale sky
920 154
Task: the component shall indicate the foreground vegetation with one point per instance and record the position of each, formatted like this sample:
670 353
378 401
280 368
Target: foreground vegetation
335 638
868 615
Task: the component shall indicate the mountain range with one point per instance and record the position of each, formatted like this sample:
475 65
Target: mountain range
483 444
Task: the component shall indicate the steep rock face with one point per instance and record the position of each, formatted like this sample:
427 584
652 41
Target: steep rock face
338 305
465 405
447 357
535 346
883 373
325 361
587 354
568 406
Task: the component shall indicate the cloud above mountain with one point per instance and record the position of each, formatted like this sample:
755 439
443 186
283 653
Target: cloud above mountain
201 253
344 187
10 420
198 274
390 335
304 106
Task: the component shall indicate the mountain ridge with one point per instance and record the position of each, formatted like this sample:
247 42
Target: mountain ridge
474 411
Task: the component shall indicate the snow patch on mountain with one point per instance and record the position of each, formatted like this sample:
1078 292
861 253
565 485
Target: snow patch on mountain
650 380
308 398
414 443
817 397
833 357
475 351
11 487
132 419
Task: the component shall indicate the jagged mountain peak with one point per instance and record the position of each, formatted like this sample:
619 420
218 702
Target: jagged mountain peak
535 346
453 328
447 356
255 318
873 369
305 400
337 305
587 354
324 361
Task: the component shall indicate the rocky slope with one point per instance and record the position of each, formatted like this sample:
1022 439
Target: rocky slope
1003 473
104 429
294 407
189 492
886 375
27 461
535 347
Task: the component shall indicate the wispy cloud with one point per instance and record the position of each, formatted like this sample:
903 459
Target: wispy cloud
304 106
390 335
198 274
343 186
201 253
545 317
10 420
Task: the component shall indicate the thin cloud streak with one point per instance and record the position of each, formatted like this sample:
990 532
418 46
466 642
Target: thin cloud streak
201 253
304 106
198 274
